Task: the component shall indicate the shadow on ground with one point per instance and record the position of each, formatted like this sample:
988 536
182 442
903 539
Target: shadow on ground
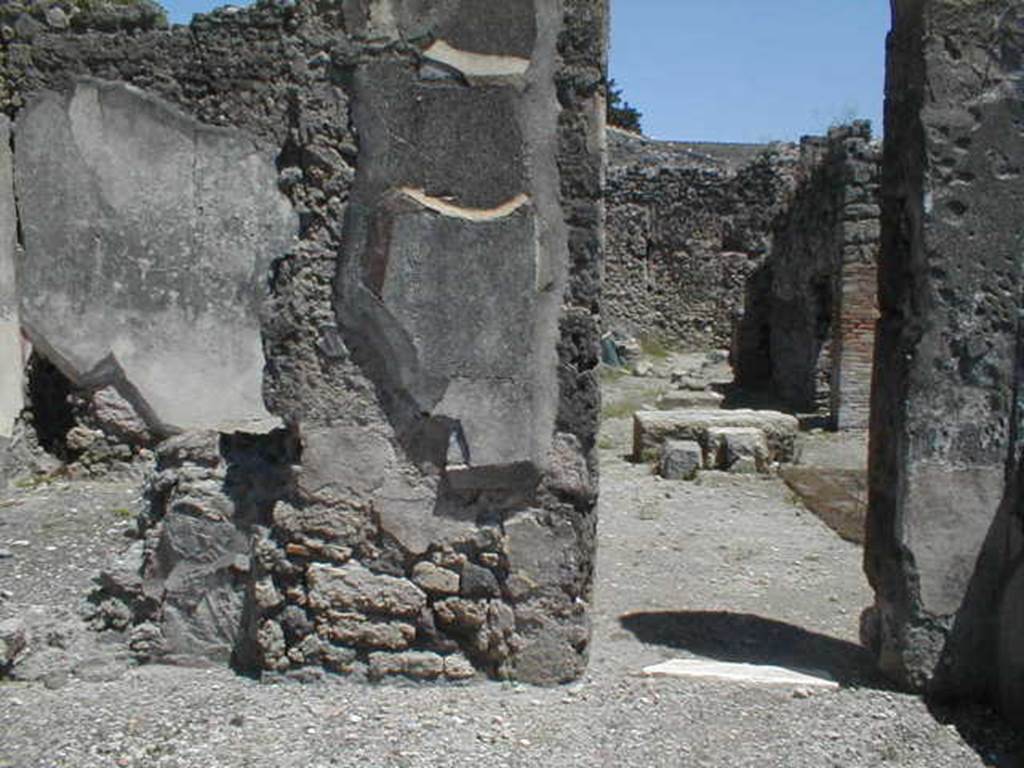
749 639
996 741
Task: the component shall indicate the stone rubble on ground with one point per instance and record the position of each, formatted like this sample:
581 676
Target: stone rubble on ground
743 450
652 428
681 459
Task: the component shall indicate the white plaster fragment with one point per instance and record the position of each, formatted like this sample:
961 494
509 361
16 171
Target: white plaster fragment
476 64
445 208
757 674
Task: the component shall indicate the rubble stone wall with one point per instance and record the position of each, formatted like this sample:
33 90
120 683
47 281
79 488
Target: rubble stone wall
944 534
689 227
819 316
768 250
417 260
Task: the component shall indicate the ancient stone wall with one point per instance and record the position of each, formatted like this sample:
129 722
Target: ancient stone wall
944 535
689 227
769 250
407 203
813 331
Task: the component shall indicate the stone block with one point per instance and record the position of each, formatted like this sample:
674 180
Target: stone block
568 473
461 614
115 416
435 580
548 654
13 640
683 398
458 667
742 450
652 428
687 380
357 630
681 459
421 665
540 553
478 581
354 588
182 220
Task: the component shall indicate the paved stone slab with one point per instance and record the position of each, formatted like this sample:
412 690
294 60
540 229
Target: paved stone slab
837 496
756 674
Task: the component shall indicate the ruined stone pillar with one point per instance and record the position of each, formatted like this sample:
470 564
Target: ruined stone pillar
855 287
944 528
426 337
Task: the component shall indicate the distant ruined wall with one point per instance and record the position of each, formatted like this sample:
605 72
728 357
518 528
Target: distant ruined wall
689 225
406 202
944 537
769 250
810 332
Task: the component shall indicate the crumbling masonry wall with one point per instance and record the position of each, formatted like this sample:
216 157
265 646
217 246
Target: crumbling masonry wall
944 537
418 258
808 327
768 250
689 228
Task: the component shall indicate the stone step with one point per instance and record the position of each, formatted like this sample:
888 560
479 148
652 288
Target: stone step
652 428
682 398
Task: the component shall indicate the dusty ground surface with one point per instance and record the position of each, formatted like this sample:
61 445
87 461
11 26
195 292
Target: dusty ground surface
729 568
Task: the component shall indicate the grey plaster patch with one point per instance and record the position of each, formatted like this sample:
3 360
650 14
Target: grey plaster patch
11 364
945 541
341 462
148 239
462 144
408 511
540 556
456 305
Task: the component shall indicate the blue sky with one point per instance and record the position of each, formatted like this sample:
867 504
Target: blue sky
737 70
749 70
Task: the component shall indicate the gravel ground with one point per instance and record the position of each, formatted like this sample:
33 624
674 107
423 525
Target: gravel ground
729 568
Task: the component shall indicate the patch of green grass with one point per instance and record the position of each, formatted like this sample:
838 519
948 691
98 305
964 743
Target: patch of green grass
31 482
605 443
627 406
654 346
609 373
620 410
122 513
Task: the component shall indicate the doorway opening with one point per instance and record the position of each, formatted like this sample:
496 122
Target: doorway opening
740 301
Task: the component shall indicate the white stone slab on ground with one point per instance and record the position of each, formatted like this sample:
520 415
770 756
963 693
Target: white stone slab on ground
757 674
